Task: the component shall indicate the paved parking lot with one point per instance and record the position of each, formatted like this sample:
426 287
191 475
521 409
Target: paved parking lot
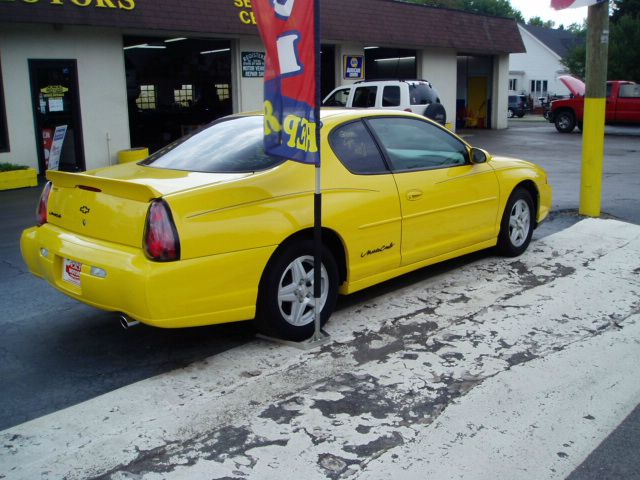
491 368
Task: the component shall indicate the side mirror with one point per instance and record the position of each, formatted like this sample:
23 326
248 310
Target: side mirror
479 155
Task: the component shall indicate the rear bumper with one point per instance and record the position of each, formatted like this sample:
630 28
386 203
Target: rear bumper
202 291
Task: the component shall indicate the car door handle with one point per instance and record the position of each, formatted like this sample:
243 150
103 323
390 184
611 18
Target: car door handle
414 195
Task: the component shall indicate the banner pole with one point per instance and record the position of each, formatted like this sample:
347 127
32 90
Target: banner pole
318 334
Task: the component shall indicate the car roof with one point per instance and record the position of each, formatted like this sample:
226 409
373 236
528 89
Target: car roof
338 113
391 81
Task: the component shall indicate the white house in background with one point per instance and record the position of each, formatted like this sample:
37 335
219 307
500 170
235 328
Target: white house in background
536 72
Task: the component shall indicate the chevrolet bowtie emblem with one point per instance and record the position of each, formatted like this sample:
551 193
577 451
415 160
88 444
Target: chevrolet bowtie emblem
84 209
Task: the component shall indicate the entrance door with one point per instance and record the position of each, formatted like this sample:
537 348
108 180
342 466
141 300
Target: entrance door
478 102
56 106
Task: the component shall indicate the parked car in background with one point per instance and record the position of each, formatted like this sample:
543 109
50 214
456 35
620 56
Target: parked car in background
417 96
211 229
517 106
622 107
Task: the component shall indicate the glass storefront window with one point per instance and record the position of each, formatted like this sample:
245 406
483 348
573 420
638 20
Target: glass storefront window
184 96
175 86
147 98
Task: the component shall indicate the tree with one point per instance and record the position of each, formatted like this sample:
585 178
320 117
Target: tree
437 3
624 55
498 8
624 38
538 22
575 59
625 7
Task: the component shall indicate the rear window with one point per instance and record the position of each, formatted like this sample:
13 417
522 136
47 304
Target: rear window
422 94
629 90
231 145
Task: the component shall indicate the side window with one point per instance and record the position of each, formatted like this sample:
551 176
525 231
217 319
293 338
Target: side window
391 96
338 99
365 97
609 88
416 145
355 148
629 90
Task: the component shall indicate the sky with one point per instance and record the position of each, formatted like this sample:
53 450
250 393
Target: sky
542 9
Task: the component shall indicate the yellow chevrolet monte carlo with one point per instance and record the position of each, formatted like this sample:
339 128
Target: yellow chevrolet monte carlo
210 229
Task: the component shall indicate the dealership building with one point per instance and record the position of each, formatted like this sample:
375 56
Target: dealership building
84 83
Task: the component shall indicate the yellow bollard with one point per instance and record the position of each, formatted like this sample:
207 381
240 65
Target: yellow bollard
133 155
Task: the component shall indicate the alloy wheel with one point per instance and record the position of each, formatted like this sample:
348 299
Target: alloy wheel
295 291
519 223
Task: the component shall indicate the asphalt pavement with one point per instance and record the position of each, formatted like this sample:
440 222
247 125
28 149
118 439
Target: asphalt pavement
217 403
492 368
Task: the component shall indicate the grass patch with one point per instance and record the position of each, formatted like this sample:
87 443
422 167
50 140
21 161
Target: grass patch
9 167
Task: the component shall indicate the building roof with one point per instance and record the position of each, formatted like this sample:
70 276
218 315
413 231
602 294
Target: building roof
379 22
558 40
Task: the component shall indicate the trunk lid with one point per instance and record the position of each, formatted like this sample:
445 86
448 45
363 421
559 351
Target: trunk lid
111 204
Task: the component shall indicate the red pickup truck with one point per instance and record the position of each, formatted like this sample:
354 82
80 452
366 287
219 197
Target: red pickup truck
623 104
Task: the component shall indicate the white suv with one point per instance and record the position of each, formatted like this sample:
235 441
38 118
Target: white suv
416 96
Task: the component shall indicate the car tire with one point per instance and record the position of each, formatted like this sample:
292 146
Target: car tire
510 113
436 112
286 303
520 115
516 227
565 121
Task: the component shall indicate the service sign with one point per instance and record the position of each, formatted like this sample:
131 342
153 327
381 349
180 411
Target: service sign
288 31
353 67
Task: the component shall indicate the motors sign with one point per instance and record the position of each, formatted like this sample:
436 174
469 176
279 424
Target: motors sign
110 4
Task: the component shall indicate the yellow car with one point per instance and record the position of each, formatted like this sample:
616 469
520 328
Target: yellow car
210 229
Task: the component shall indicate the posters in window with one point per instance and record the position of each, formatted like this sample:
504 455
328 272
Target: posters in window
56 147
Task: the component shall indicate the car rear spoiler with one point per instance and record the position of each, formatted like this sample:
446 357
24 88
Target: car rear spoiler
117 188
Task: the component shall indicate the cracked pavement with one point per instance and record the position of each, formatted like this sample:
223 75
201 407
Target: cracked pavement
501 368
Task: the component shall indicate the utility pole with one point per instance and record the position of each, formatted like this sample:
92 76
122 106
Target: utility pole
595 105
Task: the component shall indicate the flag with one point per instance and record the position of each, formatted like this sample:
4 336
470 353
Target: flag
562 4
289 31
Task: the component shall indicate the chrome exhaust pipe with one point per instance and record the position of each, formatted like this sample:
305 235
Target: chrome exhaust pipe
127 322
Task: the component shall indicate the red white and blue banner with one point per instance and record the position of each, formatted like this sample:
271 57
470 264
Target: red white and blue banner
290 33
562 4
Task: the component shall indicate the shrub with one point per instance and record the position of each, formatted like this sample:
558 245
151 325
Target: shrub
7 167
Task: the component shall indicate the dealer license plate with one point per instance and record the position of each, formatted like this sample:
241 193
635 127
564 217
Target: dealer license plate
71 271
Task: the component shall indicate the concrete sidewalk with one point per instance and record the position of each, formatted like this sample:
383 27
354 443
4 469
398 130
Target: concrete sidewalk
503 368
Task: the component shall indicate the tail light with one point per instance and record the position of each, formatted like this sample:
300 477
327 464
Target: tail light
43 205
161 242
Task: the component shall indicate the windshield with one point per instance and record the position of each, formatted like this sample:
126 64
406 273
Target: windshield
230 145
